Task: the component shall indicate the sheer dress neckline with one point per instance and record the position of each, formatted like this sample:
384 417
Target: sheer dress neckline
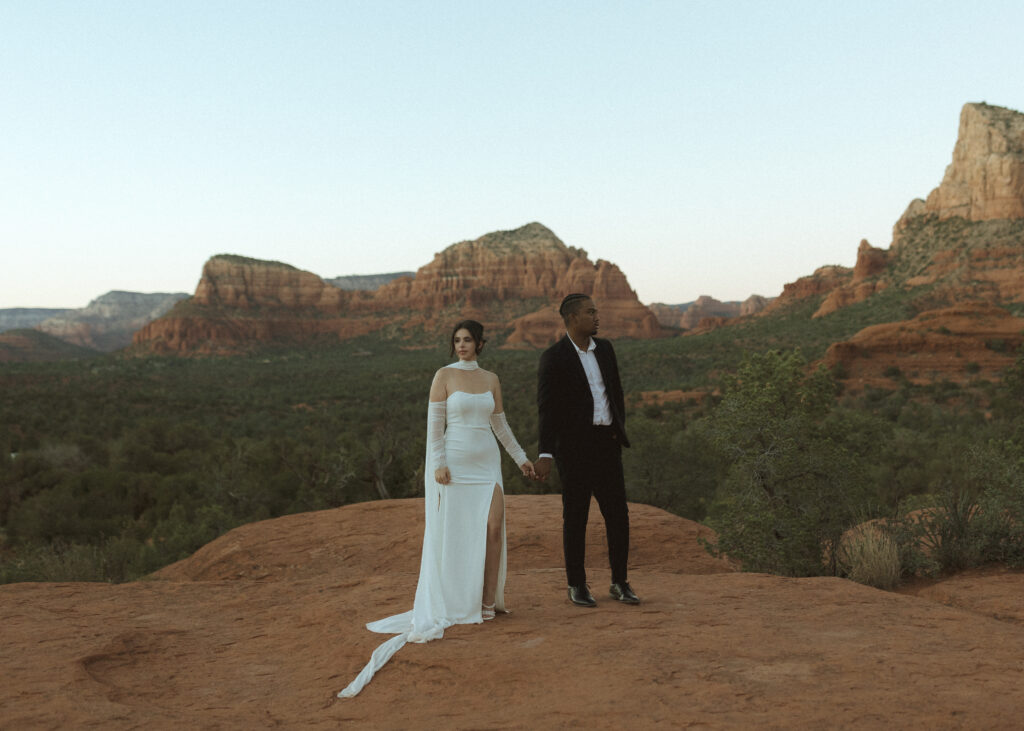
464 365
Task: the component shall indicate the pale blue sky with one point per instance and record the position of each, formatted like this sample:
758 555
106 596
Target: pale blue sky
720 148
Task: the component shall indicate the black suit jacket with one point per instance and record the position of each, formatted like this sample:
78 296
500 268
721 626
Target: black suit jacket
564 400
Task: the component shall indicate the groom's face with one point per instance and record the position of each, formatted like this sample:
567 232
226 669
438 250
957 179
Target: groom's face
585 319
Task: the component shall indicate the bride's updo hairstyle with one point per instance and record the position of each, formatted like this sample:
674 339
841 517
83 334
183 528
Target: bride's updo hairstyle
476 331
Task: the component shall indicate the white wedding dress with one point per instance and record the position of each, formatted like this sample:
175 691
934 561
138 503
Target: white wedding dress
455 535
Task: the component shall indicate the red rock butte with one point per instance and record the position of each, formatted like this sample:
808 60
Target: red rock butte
511 281
957 258
985 180
263 626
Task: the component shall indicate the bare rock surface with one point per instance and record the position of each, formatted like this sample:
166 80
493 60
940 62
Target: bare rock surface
985 180
991 591
264 625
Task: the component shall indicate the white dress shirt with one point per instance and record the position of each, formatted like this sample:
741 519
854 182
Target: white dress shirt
602 409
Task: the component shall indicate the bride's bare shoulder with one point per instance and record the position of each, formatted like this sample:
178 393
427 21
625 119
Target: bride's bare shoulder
441 374
492 377
439 386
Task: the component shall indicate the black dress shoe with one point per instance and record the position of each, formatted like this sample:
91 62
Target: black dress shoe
581 596
622 592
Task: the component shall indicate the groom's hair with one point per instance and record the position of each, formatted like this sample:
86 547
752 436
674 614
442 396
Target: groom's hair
571 304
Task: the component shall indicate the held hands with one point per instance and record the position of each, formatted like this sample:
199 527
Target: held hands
542 469
443 476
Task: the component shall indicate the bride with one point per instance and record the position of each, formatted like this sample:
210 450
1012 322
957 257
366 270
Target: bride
462 569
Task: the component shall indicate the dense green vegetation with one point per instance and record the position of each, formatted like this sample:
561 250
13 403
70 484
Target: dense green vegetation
113 466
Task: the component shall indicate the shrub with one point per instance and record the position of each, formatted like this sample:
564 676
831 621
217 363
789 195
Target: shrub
792 488
978 516
869 555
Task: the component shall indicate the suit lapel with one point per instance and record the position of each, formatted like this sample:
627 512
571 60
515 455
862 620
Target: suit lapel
575 367
605 366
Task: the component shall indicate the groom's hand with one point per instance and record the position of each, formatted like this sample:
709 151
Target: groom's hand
542 468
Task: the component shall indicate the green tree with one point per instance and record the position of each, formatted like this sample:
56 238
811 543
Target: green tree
793 487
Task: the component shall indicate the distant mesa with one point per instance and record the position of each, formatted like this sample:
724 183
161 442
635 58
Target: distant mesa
17 318
511 281
106 324
368 282
706 312
109 321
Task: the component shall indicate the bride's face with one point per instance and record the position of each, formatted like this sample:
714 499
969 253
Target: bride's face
465 345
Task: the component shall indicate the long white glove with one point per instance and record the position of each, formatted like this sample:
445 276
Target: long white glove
499 425
436 413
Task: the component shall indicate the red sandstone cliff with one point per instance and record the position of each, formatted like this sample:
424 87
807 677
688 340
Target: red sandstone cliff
966 238
959 257
864 282
954 259
511 281
954 343
986 178
823 280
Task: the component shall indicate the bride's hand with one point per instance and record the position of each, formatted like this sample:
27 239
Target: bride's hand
527 470
442 475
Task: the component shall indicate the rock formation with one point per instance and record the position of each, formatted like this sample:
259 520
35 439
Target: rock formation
706 306
669 315
952 258
109 321
956 344
754 304
511 281
986 178
965 236
264 625
367 282
16 318
865 282
822 281
706 309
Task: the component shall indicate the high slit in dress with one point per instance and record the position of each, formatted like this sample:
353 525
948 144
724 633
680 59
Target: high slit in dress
454 537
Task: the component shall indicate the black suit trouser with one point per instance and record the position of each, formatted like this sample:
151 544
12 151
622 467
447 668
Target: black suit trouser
593 467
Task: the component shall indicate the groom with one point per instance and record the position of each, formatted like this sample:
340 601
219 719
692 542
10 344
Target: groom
582 425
